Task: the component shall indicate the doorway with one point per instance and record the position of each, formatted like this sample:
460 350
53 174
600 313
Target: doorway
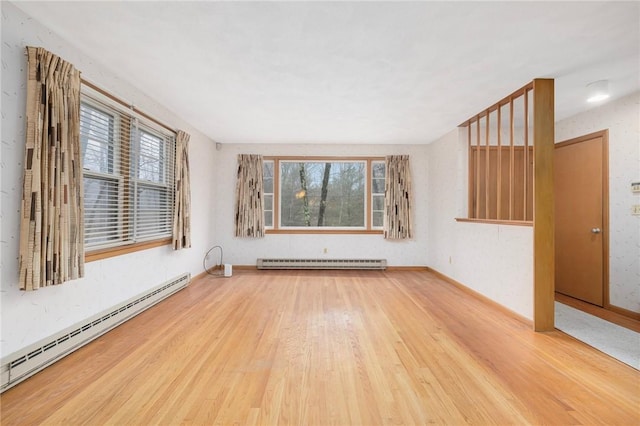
581 218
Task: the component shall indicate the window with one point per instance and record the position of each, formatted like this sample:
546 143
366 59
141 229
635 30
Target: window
378 174
323 194
153 185
268 185
128 176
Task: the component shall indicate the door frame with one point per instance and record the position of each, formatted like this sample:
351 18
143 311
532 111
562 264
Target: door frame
604 134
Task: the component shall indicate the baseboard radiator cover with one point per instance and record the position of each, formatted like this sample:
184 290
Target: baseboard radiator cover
24 363
321 264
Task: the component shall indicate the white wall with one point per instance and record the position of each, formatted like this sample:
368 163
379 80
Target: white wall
622 118
30 316
245 251
493 260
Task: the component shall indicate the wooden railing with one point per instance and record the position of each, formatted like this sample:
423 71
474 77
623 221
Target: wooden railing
500 144
529 116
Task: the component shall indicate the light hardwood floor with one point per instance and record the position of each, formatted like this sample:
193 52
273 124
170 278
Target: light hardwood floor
312 347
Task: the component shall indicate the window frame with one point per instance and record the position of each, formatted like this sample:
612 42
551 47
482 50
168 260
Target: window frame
277 228
114 174
162 186
137 123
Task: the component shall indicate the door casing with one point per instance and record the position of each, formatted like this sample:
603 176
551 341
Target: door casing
604 136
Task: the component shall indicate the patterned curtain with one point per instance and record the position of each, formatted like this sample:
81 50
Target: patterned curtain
52 219
182 200
249 190
397 198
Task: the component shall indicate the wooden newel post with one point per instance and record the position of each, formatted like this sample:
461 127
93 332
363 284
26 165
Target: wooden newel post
543 215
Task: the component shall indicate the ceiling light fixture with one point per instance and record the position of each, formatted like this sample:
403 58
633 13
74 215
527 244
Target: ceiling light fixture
598 91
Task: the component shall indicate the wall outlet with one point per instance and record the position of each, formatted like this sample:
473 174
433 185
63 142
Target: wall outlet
635 210
635 186
325 250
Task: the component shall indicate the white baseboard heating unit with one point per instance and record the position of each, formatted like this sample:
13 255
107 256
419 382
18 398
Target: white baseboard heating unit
322 264
23 364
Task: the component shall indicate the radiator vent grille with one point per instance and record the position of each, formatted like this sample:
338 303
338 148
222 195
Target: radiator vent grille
19 366
322 264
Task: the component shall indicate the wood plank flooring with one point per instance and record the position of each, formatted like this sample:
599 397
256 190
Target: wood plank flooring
328 348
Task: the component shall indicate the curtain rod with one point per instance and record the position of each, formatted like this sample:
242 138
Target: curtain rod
121 102
118 100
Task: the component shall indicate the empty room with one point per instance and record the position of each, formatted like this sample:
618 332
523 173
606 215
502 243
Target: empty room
315 213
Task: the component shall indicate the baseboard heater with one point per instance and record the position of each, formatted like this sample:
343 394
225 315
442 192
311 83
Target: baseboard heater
322 264
23 364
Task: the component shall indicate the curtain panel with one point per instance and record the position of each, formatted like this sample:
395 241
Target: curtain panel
182 194
52 222
398 198
249 190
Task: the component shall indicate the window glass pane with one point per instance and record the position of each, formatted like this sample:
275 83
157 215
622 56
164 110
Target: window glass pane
378 175
267 181
378 170
267 176
268 202
322 194
101 207
267 186
150 157
153 216
377 219
378 202
96 139
377 186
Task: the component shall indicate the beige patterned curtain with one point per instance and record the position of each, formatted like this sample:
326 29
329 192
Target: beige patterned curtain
182 195
249 190
52 220
397 198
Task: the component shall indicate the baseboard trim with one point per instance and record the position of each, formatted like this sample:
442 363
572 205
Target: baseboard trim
389 268
200 275
481 297
625 312
245 268
408 268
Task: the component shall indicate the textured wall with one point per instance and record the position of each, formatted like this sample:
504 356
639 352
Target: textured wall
622 118
494 260
245 251
29 317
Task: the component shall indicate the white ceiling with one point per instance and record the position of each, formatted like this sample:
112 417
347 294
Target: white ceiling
350 72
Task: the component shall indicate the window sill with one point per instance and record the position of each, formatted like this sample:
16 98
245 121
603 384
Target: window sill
497 222
325 231
117 251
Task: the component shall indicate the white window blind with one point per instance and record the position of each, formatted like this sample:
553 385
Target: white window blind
128 176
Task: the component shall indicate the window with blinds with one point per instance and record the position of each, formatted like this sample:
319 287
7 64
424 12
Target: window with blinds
128 176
